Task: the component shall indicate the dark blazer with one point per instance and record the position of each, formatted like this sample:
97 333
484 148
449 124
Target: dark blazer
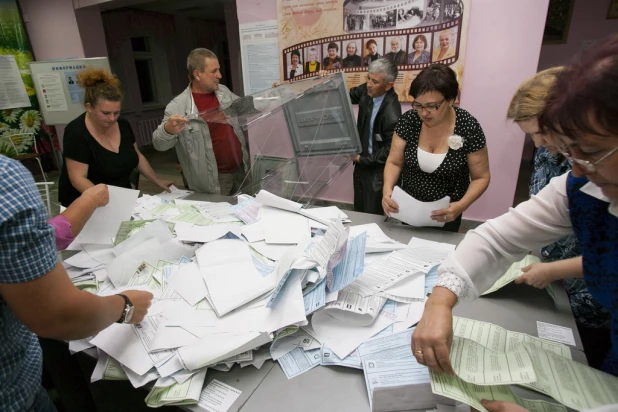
369 171
384 124
317 69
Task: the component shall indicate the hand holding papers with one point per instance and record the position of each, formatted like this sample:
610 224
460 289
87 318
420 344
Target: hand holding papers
513 273
415 212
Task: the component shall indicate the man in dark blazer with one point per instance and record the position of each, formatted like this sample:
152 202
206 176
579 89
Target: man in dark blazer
378 113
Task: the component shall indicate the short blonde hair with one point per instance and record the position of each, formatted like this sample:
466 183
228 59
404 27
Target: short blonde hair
530 99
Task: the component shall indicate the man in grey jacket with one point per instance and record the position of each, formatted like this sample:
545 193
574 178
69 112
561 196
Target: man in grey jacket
213 155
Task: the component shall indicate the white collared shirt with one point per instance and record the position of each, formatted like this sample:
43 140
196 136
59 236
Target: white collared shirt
486 253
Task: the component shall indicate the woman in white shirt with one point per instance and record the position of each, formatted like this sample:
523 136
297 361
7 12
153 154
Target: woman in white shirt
583 108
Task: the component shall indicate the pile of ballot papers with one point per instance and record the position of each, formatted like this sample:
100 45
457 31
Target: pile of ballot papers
265 279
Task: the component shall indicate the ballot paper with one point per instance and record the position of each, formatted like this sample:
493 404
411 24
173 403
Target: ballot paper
299 361
122 268
332 241
204 234
352 265
230 275
379 275
91 256
342 337
129 228
104 222
474 363
217 347
108 369
389 365
316 298
574 384
422 257
499 339
174 193
218 396
283 227
455 388
286 344
247 210
354 309
156 230
414 212
268 199
188 282
329 358
253 232
512 273
377 241
411 288
271 251
187 393
220 212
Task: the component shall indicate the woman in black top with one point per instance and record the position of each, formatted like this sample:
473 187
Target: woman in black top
439 150
98 146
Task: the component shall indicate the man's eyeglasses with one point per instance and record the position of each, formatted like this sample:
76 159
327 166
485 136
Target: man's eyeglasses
430 107
588 166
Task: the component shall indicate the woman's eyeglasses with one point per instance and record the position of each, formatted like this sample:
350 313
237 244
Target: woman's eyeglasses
430 107
588 166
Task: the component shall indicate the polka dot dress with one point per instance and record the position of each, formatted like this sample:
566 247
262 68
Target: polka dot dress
452 177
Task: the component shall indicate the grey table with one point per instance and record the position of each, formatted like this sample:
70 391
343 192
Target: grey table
515 307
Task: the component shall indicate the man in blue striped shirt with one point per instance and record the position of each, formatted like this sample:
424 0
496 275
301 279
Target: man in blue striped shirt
37 296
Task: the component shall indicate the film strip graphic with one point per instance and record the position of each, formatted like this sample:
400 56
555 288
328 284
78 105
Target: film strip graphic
384 9
434 30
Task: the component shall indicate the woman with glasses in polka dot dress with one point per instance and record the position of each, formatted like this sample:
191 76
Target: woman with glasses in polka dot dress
438 150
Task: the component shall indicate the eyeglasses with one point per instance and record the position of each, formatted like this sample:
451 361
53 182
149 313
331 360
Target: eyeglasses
588 166
430 107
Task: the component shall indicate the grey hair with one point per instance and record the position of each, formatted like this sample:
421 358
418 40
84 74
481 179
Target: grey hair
197 60
386 67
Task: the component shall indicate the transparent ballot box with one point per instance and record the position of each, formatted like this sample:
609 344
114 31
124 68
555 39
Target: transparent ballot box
300 136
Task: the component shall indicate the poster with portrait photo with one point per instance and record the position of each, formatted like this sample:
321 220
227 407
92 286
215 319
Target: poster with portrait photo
395 49
373 49
451 9
332 55
433 13
419 48
444 44
294 63
351 53
76 93
354 22
411 14
313 59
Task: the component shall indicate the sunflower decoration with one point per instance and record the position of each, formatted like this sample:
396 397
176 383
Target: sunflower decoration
11 115
14 142
4 127
30 121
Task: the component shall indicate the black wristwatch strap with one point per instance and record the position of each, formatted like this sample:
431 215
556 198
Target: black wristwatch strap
127 301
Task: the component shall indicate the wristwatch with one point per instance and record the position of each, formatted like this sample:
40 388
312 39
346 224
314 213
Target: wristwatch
127 312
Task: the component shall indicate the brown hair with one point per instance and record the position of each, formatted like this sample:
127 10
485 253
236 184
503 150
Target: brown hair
584 99
531 97
436 78
99 84
197 61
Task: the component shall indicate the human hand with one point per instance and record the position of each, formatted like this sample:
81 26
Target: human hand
355 158
141 301
538 275
164 184
175 124
276 84
388 204
502 406
433 336
98 193
449 214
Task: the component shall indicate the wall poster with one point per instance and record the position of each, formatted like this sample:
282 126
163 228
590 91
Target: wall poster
348 35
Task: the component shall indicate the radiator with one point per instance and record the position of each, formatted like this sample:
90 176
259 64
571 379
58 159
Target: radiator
145 128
